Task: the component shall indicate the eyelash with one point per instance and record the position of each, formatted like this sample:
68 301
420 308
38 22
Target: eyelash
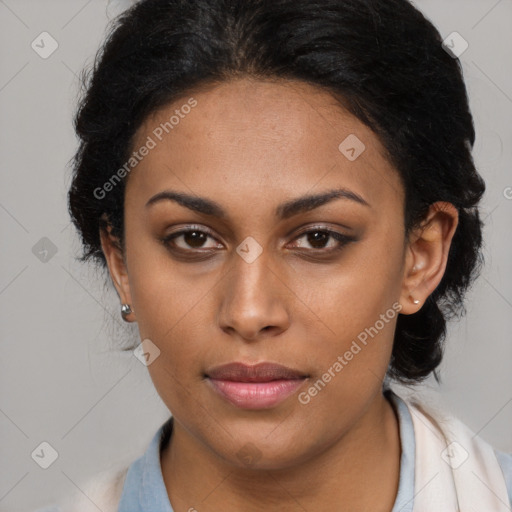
339 237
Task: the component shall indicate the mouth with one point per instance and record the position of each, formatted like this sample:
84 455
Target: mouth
259 386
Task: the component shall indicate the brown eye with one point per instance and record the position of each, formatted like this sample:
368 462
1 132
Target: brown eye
320 239
194 238
190 239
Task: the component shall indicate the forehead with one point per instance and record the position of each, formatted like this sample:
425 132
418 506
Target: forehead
245 140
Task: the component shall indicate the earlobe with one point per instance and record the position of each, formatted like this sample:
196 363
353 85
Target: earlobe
427 256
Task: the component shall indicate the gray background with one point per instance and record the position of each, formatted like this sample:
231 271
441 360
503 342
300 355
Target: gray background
63 380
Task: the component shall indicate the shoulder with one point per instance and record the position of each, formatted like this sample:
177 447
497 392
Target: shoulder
495 461
505 462
101 492
104 491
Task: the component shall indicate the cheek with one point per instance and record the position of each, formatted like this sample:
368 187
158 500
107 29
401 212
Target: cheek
164 293
174 309
354 308
355 291
350 348
174 314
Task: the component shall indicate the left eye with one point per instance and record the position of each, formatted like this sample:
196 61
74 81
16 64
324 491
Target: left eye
319 238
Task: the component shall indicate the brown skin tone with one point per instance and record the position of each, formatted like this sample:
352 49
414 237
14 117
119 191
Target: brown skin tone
251 146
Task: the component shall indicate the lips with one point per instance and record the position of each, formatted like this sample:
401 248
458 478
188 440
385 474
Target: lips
262 372
259 386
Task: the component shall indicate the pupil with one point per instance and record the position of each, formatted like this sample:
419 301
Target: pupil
313 238
194 238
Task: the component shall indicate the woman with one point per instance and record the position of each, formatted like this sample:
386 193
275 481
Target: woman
284 195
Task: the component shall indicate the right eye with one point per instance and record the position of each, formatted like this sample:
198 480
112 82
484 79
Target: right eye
189 240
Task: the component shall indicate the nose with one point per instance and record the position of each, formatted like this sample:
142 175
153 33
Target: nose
254 300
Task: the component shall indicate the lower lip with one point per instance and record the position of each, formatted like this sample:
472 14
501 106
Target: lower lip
256 395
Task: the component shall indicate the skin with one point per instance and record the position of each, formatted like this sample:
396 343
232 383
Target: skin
251 146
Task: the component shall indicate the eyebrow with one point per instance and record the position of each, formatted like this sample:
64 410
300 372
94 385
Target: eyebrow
282 212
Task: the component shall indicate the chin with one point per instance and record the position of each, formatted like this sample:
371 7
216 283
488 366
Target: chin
264 455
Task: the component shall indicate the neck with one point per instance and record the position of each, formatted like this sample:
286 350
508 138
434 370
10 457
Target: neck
367 458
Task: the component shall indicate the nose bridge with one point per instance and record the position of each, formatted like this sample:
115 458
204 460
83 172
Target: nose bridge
249 276
251 300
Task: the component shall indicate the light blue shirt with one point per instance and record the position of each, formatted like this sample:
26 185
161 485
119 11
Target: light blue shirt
144 488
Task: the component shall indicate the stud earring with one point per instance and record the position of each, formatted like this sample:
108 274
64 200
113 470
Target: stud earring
415 301
125 311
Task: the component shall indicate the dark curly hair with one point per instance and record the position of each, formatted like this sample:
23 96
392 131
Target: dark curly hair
381 59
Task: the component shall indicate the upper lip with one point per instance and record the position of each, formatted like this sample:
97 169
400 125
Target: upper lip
261 372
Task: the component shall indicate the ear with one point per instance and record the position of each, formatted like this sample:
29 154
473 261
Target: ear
117 266
427 255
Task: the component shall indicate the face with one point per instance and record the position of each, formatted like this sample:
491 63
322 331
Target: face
255 262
